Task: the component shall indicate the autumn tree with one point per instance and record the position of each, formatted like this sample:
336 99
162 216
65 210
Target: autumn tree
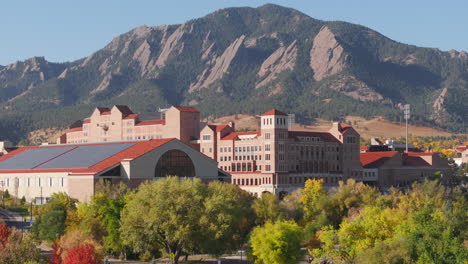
84 253
277 243
19 249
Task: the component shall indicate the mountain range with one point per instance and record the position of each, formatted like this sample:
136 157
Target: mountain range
243 60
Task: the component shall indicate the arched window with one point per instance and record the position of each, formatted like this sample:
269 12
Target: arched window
175 163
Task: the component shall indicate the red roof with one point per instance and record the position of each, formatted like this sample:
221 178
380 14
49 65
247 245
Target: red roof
124 109
87 121
415 161
103 109
151 122
363 148
217 128
461 148
131 116
375 159
138 149
187 109
418 154
76 129
220 128
106 113
234 135
325 136
274 112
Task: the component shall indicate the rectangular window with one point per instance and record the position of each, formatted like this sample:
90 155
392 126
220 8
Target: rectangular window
267 135
206 137
267 167
267 156
267 147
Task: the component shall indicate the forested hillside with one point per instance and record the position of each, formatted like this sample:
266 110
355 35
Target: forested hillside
242 60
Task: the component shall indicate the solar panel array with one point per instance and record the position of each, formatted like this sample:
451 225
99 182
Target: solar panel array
85 156
62 157
32 157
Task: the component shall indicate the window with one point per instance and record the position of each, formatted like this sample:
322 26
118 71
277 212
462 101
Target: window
267 135
267 147
175 163
206 137
211 150
267 156
267 167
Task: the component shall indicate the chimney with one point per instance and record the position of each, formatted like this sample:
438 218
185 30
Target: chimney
232 125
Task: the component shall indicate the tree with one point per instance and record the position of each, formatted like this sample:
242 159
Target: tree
82 254
182 215
227 218
277 243
164 214
4 234
50 223
73 239
20 249
267 208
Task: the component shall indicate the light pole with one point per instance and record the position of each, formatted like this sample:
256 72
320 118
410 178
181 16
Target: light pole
407 116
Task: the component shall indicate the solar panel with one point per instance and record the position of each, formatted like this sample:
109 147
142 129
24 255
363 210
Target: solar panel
85 156
32 157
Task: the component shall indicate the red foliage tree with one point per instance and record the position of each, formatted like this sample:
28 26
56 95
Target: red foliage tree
82 254
4 235
56 257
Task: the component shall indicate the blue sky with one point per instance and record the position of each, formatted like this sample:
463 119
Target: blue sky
65 30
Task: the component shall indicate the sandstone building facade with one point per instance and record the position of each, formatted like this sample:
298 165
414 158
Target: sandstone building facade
278 160
120 123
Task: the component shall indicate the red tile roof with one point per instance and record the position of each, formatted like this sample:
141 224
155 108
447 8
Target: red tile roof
103 109
217 128
363 148
124 109
274 112
415 161
461 148
325 136
187 109
418 154
151 122
234 135
138 149
87 121
131 116
375 159
76 129
220 128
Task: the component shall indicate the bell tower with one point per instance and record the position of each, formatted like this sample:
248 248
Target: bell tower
274 129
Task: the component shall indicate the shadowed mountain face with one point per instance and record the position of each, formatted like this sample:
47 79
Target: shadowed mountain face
242 60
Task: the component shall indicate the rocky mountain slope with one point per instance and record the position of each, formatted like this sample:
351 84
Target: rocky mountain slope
242 60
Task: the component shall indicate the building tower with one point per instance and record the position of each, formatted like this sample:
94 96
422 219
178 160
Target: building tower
274 131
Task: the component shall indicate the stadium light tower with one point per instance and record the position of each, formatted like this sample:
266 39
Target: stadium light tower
407 116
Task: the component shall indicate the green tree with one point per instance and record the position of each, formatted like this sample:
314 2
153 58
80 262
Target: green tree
164 215
277 243
227 218
50 223
267 208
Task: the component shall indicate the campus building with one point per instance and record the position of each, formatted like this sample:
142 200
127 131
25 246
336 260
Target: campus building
394 168
38 171
120 123
279 160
